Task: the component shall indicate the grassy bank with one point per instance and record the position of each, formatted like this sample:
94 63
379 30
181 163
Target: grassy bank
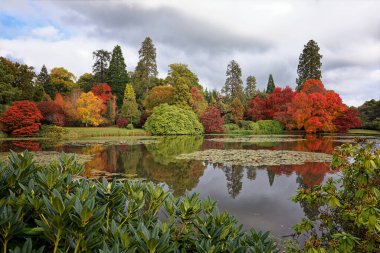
363 131
81 132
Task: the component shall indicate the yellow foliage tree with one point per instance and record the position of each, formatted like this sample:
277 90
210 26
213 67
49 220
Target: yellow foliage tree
90 109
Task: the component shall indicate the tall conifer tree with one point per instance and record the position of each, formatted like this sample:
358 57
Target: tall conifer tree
233 87
130 109
250 89
100 67
117 75
271 85
309 65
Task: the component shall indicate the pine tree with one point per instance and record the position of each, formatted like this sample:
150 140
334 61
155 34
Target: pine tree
309 65
130 109
250 89
117 75
182 97
233 87
146 69
43 79
102 60
271 85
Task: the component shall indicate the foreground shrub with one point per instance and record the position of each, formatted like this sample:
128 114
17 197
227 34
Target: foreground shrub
230 127
53 209
212 120
21 119
172 120
346 218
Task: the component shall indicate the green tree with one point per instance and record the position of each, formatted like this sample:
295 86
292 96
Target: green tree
43 79
146 69
182 97
309 65
177 71
370 114
117 75
100 67
237 110
250 90
8 93
233 87
86 81
130 109
63 81
270 85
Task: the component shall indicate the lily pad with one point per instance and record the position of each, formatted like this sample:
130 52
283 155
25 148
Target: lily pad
257 139
46 157
133 140
256 157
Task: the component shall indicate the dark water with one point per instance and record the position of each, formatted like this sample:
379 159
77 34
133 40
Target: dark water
259 197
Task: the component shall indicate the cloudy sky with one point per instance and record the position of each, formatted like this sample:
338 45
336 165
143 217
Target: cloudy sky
262 36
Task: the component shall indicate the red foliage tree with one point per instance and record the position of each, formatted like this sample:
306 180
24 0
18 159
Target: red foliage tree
21 119
104 92
349 119
212 120
199 103
314 109
257 109
52 113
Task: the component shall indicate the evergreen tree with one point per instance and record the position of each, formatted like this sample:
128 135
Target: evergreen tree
309 65
250 89
117 75
146 69
130 109
86 81
44 84
102 60
271 85
233 87
182 97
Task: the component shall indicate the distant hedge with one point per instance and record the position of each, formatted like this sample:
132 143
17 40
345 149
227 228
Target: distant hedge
172 120
266 127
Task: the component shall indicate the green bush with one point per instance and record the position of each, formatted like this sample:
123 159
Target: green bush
254 127
3 135
270 127
172 120
60 211
52 132
244 124
130 126
344 214
230 127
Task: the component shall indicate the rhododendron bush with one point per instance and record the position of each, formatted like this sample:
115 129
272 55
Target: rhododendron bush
212 120
21 119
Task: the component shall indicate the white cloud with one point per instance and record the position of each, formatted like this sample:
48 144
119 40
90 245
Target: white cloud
47 32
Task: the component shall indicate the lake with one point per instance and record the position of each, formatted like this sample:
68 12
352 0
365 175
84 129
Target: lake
258 196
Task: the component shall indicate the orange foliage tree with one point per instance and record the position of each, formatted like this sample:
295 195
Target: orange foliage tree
314 109
158 95
198 100
21 119
89 109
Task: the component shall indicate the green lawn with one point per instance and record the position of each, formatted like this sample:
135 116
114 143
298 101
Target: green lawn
79 132
363 131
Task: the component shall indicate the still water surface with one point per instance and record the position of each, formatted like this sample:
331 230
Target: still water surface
259 197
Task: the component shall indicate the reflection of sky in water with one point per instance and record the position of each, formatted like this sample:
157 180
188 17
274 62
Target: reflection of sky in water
259 198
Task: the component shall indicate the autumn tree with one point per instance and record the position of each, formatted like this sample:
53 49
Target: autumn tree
158 95
350 118
233 87
130 109
62 81
309 65
237 110
89 109
315 111
52 113
146 70
70 107
182 97
212 120
104 92
270 85
117 75
21 119
86 81
250 88
102 59
199 103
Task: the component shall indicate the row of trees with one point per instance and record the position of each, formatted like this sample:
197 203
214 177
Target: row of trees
131 97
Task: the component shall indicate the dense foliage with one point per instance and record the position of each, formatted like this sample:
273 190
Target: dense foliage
172 120
212 120
21 119
90 109
270 86
53 209
348 120
158 95
348 209
370 114
117 75
130 109
266 127
309 66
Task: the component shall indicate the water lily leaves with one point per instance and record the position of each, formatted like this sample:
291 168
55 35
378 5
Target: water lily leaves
256 157
257 139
